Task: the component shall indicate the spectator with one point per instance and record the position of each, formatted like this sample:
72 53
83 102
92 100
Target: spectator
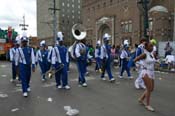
168 49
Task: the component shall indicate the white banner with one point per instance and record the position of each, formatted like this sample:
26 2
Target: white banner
2 40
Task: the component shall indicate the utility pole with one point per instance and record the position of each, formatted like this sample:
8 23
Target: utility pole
144 4
23 25
54 9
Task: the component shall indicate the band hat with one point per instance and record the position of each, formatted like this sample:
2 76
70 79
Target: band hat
24 37
60 36
98 42
106 36
18 40
42 43
126 42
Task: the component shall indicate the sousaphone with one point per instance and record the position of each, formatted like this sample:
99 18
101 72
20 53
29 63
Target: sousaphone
79 33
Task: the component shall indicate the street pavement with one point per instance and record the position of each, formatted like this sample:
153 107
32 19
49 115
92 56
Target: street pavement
100 98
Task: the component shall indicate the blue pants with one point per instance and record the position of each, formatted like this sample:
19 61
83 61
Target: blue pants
14 69
81 64
62 76
44 68
106 66
25 75
98 63
124 66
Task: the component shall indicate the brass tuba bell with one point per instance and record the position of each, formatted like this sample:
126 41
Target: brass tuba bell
79 31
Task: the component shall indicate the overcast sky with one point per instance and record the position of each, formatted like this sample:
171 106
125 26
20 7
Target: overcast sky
12 11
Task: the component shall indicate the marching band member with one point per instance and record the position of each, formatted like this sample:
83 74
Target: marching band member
124 56
60 56
147 74
24 58
81 56
41 58
97 57
106 58
15 72
139 81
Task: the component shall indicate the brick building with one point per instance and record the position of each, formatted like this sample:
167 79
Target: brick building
123 19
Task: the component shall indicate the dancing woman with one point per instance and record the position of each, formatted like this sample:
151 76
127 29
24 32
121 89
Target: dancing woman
147 74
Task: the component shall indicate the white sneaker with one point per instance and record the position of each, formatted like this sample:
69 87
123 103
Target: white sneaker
28 89
104 79
143 86
121 77
113 79
43 80
12 80
67 87
149 108
25 94
131 77
87 73
84 84
59 87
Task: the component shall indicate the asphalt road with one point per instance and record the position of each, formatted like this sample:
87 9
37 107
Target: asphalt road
100 98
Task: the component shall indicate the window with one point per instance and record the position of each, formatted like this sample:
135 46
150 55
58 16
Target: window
63 4
150 24
104 4
126 27
98 6
72 5
68 5
122 26
111 1
130 26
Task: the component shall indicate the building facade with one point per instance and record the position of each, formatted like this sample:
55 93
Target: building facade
68 14
123 19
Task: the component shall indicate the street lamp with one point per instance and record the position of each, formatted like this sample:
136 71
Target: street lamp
144 6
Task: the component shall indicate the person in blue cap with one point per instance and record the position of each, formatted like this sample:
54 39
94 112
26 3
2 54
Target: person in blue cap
25 59
125 56
60 56
41 58
15 73
106 58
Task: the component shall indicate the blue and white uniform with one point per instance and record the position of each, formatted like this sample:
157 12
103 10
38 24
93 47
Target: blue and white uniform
81 55
25 58
60 56
41 58
139 83
97 57
106 58
124 56
12 59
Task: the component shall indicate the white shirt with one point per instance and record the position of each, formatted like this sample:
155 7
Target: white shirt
78 48
104 53
55 56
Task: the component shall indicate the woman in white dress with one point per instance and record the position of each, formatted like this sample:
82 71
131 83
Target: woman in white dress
147 74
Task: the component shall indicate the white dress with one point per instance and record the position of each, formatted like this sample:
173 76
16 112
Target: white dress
148 65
